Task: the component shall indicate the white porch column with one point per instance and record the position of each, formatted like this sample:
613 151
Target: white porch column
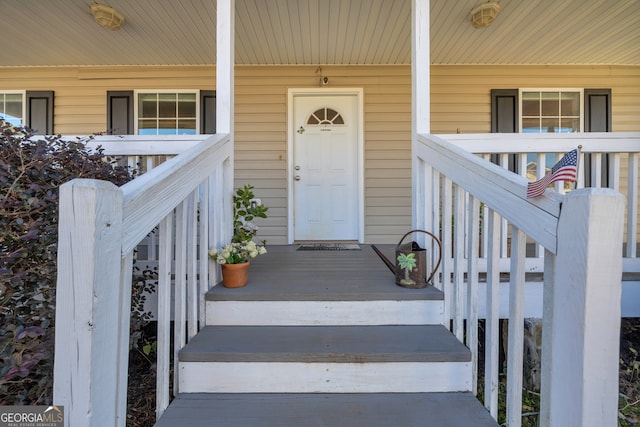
225 24
88 294
421 175
584 337
225 62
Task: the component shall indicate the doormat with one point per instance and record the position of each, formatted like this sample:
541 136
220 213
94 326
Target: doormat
329 247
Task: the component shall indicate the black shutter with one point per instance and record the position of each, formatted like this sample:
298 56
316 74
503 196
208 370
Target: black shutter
597 110
39 111
597 118
207 111
120 112
504 111
504 117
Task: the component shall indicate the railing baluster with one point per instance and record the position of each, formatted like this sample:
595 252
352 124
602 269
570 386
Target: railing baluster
132 162
124 309
435 224
180 287
192 265
580 182
203 235
596 170
458 261
516 329
504 226
447 245
473 220
540 172
632 205
165 237
484 231
614 171
492 325
546 362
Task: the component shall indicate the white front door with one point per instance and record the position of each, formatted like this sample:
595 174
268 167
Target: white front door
325 167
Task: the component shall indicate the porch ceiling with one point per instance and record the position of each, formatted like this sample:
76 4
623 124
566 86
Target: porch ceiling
312 32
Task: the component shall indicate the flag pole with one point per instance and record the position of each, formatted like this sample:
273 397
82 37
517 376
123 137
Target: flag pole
575 184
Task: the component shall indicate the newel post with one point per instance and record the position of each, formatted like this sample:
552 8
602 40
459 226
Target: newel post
582 367
87 303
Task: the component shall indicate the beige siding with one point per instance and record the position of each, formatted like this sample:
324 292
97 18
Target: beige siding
81 93
460 103
460 94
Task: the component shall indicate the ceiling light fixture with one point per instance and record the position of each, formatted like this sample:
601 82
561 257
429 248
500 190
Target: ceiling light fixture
484 14
107 16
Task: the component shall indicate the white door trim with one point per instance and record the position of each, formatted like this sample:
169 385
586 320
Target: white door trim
359 93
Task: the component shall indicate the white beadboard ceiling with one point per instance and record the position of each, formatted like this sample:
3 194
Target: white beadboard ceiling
323 32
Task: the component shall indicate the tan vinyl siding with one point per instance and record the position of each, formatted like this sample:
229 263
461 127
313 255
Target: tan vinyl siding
460 95
460 103
81 93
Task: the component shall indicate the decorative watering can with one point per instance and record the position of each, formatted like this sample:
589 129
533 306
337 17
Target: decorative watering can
411 262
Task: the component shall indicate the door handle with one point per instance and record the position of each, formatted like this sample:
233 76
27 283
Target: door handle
297 167
297 178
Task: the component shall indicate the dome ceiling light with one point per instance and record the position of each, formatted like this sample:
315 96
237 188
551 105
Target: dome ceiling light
484 14
107 16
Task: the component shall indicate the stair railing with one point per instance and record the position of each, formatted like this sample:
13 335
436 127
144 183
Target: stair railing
189 198
608 160
581 233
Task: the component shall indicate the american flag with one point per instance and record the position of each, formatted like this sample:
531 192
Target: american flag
565 170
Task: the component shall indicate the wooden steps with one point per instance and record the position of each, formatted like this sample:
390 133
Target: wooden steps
327 410
324 359
308 345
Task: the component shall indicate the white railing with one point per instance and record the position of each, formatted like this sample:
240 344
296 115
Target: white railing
608 160
581 234
189 199
141 154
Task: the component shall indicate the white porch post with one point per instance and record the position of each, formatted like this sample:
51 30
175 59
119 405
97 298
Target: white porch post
421 175
225 62
88 293
584 336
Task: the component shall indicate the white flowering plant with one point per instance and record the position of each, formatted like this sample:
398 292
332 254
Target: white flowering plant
242 247
237 252
246 208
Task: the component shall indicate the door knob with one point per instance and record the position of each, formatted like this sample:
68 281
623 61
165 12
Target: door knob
297 168
297 178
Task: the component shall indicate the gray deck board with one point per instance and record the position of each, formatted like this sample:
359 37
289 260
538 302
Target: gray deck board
286 274
328 410
335 344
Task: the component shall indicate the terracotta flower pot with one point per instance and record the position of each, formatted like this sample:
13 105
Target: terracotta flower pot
235 275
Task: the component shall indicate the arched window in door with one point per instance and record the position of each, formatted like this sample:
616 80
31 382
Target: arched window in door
325 116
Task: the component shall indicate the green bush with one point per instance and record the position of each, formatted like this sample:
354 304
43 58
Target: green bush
30 173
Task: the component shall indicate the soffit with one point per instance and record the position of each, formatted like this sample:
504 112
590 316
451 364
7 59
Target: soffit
311 32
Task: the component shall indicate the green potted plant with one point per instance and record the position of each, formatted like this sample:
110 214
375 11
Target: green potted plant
234 257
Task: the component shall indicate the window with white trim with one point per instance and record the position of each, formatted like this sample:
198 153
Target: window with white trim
551 110
166 113
12 107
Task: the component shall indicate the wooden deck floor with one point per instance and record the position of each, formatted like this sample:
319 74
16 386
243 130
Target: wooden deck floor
338 275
